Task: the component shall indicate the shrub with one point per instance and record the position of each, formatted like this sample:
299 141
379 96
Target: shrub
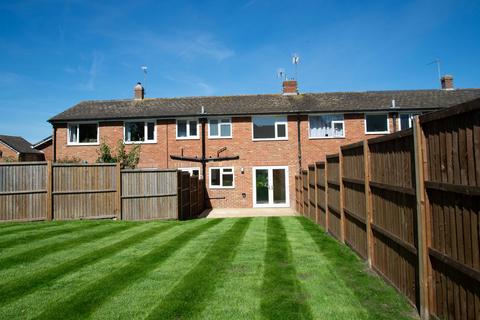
127 159
69 160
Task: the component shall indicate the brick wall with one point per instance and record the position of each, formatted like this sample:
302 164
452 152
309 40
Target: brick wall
7 153
251 153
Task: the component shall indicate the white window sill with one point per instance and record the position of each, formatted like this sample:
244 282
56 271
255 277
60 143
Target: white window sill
271 139
83 144
218 138
219 187
139 142
379 132
322 138
188 138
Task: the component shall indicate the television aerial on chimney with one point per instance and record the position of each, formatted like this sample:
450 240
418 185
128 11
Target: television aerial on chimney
144 68
296 61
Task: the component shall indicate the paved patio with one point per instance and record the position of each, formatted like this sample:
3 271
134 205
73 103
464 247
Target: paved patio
248 212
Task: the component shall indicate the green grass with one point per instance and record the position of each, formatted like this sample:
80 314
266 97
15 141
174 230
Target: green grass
250 268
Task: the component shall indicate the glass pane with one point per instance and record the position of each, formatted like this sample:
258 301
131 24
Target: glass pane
338 129
264 128
181 128
279 194
195 172
321 126
227 180
377 123
193 128
151 131
135 131
73 134
215 177
87 133
281 131
261 176
213 128
404 121
225 130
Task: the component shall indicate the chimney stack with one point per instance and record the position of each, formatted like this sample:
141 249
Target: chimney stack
139 91
290 87
447 82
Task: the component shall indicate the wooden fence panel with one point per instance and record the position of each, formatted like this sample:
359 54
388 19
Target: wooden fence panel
452 181
149 194
321 195
394 211
84 191
354 205
312 208
23 191
305 192
333 196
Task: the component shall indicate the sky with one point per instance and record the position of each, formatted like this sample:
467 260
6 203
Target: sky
54 54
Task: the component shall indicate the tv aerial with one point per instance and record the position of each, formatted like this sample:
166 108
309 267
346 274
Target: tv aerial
295 62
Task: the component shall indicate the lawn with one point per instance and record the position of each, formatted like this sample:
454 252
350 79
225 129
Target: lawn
271 268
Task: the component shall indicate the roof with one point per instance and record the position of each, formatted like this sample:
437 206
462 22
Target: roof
44 140
346 102
18 144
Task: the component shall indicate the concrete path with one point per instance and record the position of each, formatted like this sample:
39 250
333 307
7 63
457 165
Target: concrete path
248 212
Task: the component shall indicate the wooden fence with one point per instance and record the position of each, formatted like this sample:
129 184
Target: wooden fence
409 204
45 191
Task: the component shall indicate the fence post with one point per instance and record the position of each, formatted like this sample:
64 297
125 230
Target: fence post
179 195
342 214
325 177
422 224
315 191
118 198
49 191
368 203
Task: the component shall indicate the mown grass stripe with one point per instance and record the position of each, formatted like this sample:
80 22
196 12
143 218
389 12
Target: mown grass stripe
16 288
378 300
189 296
26 238
34 254
282 293
85 301
33 226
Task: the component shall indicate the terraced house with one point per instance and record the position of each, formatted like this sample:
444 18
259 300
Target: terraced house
248 147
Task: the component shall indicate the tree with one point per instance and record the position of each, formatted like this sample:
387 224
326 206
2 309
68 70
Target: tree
127 159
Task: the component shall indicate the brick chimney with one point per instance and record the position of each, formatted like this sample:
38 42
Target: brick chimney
447 82
139 91
290 87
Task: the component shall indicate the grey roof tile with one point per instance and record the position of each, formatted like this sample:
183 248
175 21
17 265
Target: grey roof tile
18 144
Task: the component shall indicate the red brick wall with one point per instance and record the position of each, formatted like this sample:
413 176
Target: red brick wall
251 153
7 153
47 149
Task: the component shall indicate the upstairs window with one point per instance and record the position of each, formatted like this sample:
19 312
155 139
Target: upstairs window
406 120
83 133
376 123
221 177
269 128
193 171
187 129
139 131
326 126
220 128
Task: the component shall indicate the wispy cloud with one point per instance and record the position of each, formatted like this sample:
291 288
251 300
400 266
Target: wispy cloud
201 45
91 73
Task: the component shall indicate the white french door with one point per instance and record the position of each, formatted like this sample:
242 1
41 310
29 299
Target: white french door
270 186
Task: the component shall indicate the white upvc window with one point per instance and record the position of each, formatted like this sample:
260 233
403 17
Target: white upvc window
326 126
139 131
194 171
83 133
221 177
187 129
376 123
269 128
405 120
220 128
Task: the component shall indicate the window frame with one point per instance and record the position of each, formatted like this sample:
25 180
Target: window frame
145 128
376 132
334 121
219 130
410 120
221 186
78 123
276 138
188 137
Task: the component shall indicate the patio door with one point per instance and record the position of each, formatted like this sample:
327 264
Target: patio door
270 187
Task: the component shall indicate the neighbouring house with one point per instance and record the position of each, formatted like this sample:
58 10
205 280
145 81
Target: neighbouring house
248 147
46 147
13 148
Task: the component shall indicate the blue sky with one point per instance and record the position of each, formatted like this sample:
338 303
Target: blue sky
55 53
